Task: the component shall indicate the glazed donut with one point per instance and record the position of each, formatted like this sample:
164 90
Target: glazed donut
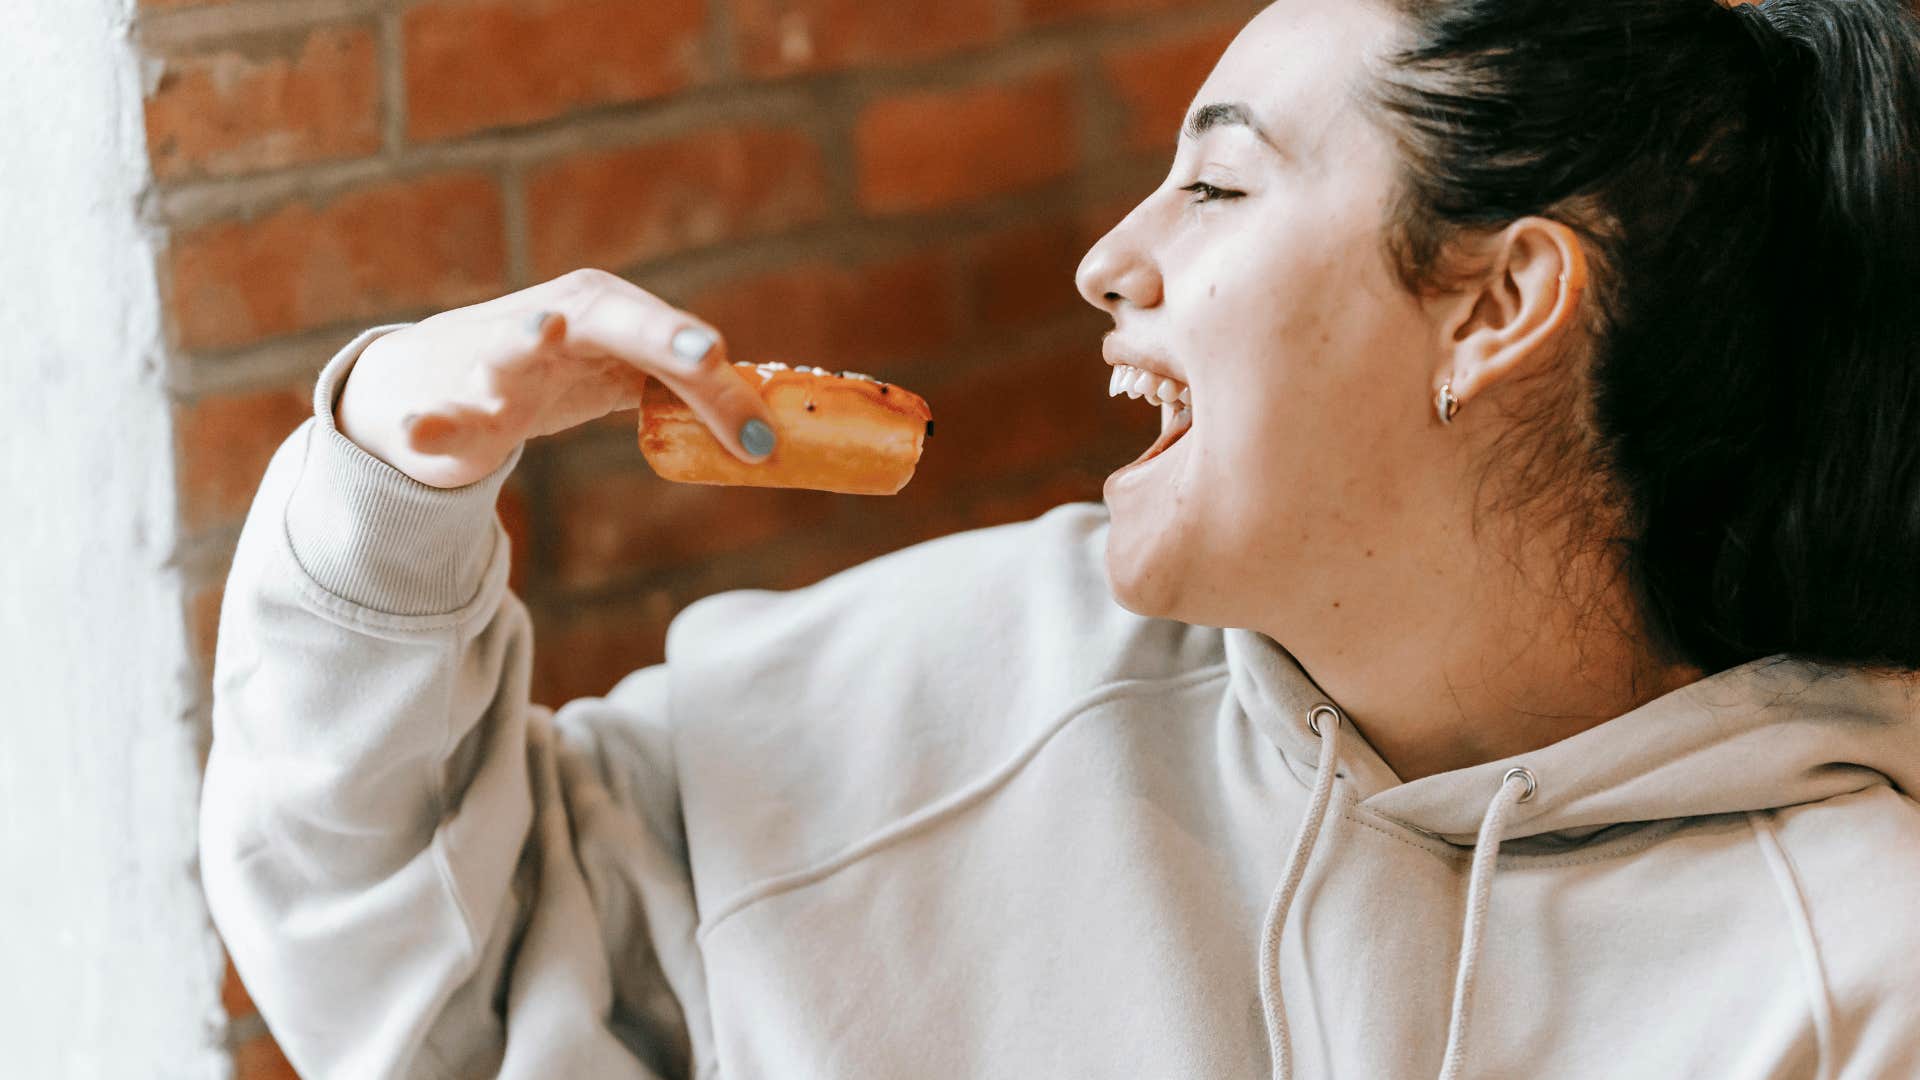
842 432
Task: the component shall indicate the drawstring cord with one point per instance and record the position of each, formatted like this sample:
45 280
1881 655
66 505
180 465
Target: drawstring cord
1279 1043
1516 787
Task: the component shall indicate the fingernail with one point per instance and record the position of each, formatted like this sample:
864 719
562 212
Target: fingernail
690 346
757 437
539 323
407 421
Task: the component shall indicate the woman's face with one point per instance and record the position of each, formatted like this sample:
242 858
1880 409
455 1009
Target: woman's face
1314 449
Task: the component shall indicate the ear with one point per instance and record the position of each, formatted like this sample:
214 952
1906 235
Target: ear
1509 317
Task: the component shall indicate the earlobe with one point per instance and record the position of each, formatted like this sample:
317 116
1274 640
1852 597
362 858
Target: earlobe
1524 304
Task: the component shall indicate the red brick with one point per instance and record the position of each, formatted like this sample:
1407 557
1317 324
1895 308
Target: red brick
1052 12
1156 83
1016 438
797 565
1025 275
1025 417
475 64
583 649
862 318
517 518
436 241
615 208
1074 484
233 995
267 104
614 525
1099 219
1012 442
1015 497
225 444
933 149
584 652
259 1058
784 37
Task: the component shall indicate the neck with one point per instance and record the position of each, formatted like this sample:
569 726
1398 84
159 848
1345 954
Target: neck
1515 669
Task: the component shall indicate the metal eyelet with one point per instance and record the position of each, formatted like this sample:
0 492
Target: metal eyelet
1313 718
1524 774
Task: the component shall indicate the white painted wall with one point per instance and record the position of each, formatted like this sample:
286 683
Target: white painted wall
108 965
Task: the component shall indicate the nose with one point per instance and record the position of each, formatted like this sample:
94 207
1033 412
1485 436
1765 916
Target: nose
1118 270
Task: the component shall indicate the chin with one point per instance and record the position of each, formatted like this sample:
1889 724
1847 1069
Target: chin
1140 574
1153 548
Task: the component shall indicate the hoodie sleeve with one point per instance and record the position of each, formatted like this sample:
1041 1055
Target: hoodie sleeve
418 873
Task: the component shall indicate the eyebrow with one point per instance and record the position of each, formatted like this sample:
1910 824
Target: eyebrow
1225 114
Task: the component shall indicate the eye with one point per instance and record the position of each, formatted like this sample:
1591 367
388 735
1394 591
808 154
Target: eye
1208 193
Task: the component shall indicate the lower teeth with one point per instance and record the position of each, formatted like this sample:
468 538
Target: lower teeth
1174 422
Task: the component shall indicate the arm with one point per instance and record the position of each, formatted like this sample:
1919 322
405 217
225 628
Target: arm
389 830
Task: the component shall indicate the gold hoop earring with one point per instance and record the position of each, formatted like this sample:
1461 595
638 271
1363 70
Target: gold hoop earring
1445 403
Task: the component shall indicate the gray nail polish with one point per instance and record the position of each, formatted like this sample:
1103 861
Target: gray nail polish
757 437
691 345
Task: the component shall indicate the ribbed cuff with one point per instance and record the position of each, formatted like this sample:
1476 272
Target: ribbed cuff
376 537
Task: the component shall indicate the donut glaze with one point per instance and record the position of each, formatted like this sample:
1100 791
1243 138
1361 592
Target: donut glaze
835 431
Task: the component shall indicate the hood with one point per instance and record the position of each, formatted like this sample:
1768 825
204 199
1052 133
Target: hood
1770 733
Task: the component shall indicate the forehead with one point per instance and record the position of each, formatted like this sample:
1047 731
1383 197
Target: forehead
1294 65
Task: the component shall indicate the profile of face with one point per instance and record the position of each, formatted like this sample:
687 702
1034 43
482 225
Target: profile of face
1257 276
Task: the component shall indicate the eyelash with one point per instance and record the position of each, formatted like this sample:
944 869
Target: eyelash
1213 194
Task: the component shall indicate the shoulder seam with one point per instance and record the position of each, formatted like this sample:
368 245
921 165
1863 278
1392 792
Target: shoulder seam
951 804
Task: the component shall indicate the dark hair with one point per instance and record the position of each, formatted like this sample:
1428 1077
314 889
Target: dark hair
1747 186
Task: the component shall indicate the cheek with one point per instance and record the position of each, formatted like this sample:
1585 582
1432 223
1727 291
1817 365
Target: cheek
1260 352
1297 364
1241 474
1295 436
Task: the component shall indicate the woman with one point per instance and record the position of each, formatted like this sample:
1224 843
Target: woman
1553 403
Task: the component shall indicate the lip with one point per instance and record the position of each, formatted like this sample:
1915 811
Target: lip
1127 476
1118 352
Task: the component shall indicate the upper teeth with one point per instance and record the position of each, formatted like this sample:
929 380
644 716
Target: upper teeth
1136 383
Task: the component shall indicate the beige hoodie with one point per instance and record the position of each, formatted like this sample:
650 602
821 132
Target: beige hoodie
955 813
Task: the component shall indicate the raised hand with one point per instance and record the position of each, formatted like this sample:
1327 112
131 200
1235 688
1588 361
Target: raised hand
448 399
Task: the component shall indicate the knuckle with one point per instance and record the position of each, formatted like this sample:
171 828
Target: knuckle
586 287
738 397
541 319
719 393
691 343
589 277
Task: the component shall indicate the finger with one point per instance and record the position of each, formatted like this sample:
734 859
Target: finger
549 327
730 405
517 356
522 374
449 431
686 354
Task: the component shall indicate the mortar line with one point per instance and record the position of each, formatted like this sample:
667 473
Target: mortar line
195 25
393 86
513 218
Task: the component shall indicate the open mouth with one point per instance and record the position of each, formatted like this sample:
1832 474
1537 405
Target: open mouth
1174 398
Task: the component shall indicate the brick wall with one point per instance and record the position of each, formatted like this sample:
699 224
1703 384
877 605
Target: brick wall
902 188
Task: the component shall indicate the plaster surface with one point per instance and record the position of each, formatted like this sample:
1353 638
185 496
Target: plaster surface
108 963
